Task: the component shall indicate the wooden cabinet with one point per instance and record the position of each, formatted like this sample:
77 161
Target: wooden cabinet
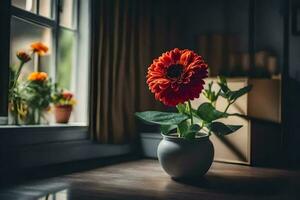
258 142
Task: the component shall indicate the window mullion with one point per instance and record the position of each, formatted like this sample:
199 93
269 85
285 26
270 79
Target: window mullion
76 14
56 40
75 61
38 7
77 47
33 17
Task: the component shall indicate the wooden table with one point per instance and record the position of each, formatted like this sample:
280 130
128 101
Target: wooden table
144 179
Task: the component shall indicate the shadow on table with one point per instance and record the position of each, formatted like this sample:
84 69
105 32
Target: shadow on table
237 185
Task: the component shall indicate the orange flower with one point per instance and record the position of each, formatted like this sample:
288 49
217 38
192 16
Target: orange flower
177 76
38 76
23 56
39 48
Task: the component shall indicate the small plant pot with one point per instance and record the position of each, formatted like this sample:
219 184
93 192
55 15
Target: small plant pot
184 159
62 113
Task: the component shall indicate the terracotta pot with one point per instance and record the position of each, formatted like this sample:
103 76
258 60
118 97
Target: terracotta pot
62 113
182 158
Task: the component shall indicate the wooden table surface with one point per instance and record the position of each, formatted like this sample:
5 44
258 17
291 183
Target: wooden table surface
144 179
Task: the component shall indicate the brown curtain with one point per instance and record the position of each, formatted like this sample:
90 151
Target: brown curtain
126 36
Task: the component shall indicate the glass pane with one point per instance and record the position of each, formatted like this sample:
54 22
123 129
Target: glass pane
21 40
29 5
45 8
65 58
68 14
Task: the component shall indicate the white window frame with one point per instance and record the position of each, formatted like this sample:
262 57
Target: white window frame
82 47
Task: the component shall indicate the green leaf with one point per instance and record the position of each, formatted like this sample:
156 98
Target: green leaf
222 80
223 84
166 129
232 95
208 113
225 91
194 128
201 134
236 94
183 128
224 87
222 129
192 131
190 135
161 118
182 108
211 95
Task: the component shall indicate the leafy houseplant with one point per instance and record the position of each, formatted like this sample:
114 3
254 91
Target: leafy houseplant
37 94
63 104
176 78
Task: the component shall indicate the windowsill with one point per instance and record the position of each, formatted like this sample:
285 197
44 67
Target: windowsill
52 125
11 135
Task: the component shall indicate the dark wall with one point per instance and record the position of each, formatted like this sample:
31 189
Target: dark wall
4 54
292 94
294 59
217 30
237 22
217 17
269 27
203 17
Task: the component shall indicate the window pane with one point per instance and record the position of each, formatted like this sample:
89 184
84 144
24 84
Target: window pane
65 58
23 33
45 8
29 5
68 14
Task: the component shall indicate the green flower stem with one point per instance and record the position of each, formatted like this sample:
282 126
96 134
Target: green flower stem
18 74
38 120
191 112
229 104
214 103
20 69
16 112
178 132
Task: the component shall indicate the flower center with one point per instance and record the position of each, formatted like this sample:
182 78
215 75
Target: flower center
174 71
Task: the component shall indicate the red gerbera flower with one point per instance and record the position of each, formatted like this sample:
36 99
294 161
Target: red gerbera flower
177 76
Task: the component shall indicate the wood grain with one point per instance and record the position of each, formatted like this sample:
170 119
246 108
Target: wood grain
144 179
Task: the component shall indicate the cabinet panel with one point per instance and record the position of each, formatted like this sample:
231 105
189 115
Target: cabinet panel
259 138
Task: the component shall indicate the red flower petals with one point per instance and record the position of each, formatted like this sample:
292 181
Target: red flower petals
177 76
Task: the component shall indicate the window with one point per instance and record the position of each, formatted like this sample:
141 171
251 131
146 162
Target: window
62 25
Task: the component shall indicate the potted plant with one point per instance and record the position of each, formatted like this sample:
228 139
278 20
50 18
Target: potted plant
36 92
176 78
63 101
